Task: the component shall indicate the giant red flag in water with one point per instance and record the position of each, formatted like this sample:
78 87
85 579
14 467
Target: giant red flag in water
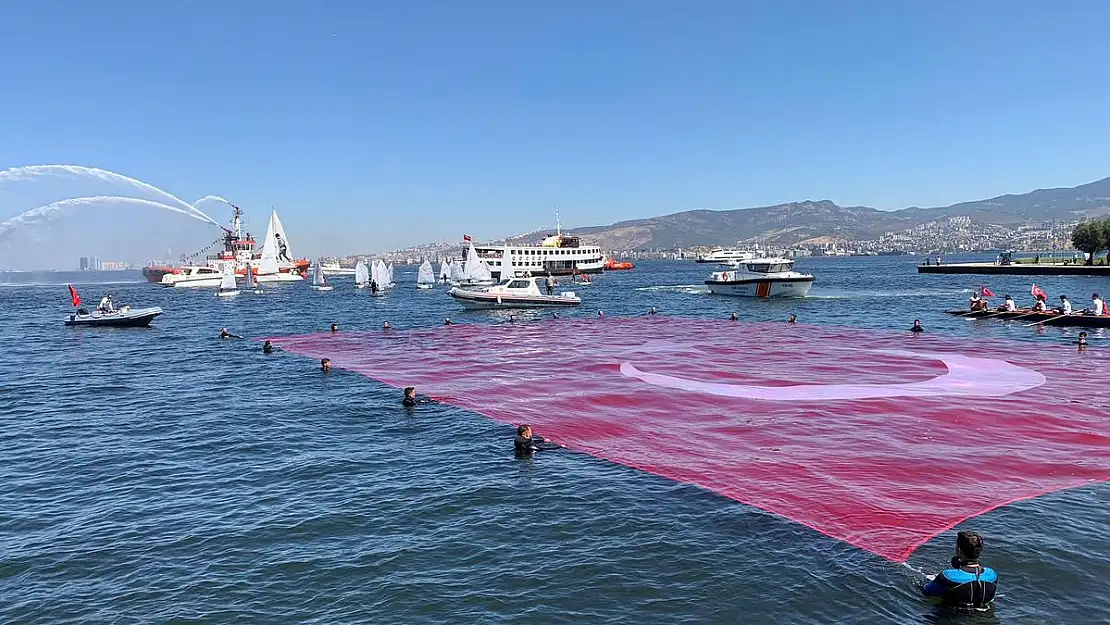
876 439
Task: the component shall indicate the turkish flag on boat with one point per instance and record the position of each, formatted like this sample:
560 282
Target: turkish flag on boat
1037 291
466 237
73 294
985 291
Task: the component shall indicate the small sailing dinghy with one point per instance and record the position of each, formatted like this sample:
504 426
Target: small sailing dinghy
362 275
444 270
319 280
227 282
475 270
252 284
123 317
425 276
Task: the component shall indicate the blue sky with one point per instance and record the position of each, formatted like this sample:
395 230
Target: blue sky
371 125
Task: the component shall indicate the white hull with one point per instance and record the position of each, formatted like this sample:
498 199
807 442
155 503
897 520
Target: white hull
196 282
226 293
362 286
319 287
279 277
769 288
425 286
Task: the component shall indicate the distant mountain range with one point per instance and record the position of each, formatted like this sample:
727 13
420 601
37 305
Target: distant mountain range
815 222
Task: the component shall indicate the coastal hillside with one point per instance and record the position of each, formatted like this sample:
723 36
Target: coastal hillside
810 222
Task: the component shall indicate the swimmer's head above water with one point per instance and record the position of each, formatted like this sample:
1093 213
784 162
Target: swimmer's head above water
325 364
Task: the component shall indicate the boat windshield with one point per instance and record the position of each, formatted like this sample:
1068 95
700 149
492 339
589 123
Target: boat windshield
517 284
768 267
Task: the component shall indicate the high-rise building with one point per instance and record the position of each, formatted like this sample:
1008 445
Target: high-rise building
83 263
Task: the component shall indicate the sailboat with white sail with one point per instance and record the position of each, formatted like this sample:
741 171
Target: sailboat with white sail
381 275
457 275
252 284
275 263
362 275
425 276
228 287
444 270
319 280
475 270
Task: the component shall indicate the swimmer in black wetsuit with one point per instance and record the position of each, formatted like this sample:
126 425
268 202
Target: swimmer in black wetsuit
224 334
325 364
967 585
447 321
735 317
792 318
653 311
524 444
1082 339
410 399
267 347
335 327
917 326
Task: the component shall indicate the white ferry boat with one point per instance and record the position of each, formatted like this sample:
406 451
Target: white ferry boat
721 255
558 254
762 277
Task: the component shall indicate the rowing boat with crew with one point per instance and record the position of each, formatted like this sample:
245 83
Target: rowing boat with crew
1077 320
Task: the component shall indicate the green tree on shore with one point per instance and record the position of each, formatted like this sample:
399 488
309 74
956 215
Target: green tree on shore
1091 237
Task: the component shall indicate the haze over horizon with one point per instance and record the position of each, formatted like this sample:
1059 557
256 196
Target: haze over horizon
375 126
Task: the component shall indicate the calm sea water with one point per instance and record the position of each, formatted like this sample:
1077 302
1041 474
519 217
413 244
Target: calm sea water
166 476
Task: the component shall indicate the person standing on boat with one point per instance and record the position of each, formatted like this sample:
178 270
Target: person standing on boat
373 286
106 304
283 250
550 284
1065 305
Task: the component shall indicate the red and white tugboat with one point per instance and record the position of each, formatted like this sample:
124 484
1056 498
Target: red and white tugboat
272 263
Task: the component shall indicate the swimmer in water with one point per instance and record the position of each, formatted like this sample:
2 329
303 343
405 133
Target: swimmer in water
335 327
735 317
653 311
224 334
1082 342
967 584
325 364
792 318
917 326
267 347
386 326
554 315
600 314
524 444
512 318
447 321
410 399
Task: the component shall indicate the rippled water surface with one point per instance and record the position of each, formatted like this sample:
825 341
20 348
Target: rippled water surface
164 475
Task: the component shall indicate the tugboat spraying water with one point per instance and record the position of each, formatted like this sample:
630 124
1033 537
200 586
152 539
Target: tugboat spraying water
273 263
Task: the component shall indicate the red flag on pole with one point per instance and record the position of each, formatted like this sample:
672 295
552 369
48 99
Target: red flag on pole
1036 291
466 237
985 291
73 294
